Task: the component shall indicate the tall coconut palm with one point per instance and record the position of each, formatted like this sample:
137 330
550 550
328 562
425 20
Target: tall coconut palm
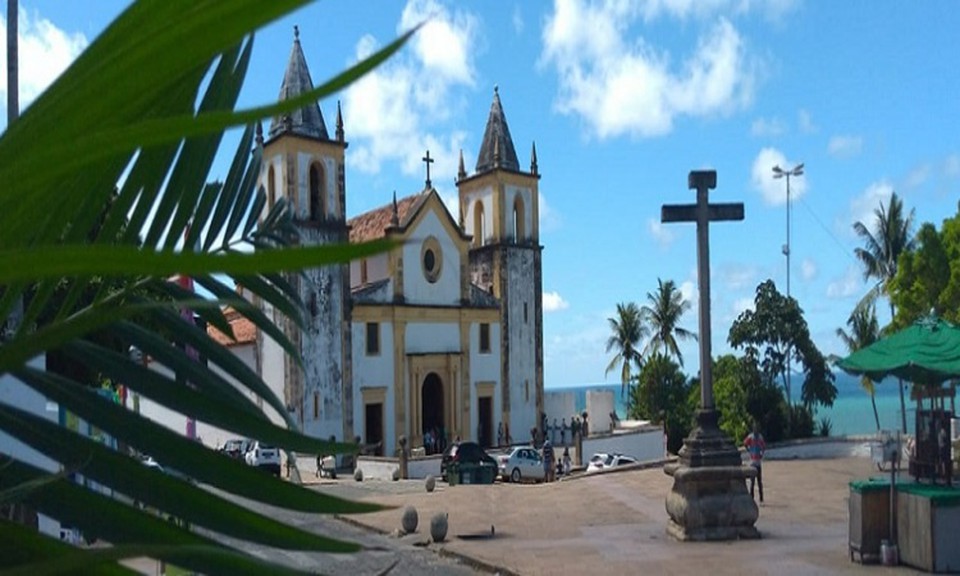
662 314
13 62
864 331
891 236
628 330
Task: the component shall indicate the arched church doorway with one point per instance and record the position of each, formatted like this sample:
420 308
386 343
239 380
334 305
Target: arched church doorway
431 402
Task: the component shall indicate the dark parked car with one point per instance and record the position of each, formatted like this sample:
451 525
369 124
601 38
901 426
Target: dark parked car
466 454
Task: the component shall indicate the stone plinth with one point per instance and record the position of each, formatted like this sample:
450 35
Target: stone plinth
709 499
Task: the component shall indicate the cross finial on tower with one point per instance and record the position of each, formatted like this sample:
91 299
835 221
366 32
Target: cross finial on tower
428 161
259 133
296 33
533 159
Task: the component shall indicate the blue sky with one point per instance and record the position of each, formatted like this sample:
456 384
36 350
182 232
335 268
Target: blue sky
623 99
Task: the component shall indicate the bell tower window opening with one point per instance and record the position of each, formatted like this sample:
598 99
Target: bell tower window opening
271 188
518 216
479 222
317 211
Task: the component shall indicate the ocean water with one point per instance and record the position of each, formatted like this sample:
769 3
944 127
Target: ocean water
851 413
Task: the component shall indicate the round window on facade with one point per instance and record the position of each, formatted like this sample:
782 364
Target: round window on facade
431 259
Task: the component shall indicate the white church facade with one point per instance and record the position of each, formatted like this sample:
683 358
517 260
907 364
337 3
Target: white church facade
443 333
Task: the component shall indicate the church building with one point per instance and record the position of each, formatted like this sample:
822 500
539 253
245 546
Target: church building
443 333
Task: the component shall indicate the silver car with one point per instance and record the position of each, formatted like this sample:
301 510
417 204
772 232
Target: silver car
521 463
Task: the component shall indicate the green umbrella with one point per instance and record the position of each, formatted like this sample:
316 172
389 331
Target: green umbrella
928 352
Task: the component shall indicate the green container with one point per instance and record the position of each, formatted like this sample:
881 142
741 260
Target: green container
453 474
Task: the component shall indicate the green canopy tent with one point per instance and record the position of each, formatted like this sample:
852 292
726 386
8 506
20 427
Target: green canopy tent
927 352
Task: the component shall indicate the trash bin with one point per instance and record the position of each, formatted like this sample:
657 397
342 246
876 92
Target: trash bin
453 474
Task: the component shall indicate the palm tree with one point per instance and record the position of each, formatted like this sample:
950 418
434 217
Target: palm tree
60 227
13 62
663 313
864 331
892 235
628 330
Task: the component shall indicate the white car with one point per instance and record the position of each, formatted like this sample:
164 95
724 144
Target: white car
263 457
604 461
521 463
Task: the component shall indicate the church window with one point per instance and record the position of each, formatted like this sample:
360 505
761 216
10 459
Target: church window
363 271
524 312
431 258
518 234
271 189
316 405
316 193
526 390
484 338
479 223
373 338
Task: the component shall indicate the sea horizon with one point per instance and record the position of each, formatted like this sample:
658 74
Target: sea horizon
850 415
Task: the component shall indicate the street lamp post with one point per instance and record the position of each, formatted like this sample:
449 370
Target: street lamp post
777 174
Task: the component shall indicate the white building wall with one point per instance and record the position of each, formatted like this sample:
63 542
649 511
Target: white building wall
432 338
416 288
378 268
559 405
374 372
485 368
15 393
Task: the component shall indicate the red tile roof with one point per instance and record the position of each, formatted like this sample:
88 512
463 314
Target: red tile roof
244 330
373 224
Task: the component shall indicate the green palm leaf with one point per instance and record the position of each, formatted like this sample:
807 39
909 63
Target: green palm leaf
100 264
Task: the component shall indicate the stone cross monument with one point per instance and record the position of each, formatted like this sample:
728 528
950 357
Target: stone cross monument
709 498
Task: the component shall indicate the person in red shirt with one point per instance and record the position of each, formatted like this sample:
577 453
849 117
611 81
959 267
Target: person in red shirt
755 447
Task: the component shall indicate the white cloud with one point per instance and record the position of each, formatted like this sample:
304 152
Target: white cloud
689 292
918 176
767 128
847 285
662 234
517 19
951 166
863 206
550 219
741 305
772 9
45 51
388 113
773 190
805 122
734 277
808 269
845 146
552 301
619 83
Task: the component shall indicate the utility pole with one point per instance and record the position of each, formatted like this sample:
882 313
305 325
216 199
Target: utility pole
777 174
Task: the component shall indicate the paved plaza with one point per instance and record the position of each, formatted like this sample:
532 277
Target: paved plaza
615 523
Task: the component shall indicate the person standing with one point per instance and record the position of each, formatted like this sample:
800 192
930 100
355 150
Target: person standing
755 447
563 432
548 461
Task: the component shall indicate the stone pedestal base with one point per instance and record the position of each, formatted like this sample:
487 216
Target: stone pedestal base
709 499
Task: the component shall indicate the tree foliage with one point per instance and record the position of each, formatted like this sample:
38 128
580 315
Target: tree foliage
928 279
160 132
661 394
743 396
774 329
627 330
662 314
890 236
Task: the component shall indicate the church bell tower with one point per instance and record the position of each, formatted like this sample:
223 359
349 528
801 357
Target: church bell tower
499 208
304 166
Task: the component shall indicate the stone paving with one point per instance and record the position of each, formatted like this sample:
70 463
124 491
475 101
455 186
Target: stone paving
615 523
